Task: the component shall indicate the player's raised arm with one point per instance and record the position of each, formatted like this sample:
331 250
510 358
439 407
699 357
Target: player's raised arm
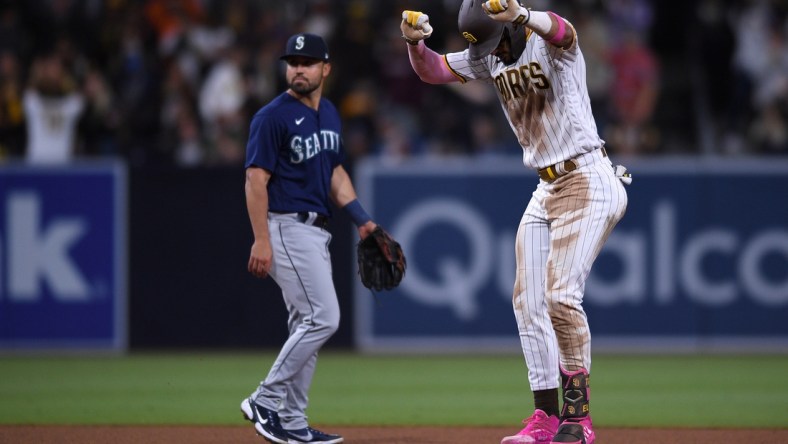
428 65
548 25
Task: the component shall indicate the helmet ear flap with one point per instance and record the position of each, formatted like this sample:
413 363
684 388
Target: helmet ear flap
516 39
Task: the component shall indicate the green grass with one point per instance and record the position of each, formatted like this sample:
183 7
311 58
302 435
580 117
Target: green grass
350 389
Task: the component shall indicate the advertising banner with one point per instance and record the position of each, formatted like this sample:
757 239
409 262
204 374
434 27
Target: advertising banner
63 257
699 261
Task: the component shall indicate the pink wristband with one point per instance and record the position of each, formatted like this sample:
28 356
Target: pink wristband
556 39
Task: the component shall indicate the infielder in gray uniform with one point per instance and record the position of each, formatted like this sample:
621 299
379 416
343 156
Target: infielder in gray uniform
533 60
293 171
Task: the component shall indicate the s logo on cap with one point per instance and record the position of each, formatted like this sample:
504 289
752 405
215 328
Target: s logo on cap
299 43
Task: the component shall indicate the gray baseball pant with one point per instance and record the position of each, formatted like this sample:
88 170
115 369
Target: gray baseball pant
302 269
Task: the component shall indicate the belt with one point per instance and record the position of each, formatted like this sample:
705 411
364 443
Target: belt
304 217
319 221
553 172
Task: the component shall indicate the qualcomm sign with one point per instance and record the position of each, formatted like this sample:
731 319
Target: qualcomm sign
62 257
39 255
676 269
680 263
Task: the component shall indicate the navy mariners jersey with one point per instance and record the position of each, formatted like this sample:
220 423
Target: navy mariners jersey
300 147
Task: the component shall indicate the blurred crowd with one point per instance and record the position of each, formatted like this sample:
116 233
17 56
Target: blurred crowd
175 82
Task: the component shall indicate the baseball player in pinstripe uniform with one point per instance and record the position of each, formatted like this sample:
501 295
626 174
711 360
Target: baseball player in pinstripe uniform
533 60
293 170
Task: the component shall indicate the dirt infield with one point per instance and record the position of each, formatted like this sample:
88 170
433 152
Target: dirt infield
18 434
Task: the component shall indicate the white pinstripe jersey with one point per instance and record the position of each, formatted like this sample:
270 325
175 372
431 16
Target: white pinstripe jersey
544 97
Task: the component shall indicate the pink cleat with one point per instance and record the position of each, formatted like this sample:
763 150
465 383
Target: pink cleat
575 431
539 428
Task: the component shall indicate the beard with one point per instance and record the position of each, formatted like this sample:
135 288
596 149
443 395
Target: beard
302 87
507 59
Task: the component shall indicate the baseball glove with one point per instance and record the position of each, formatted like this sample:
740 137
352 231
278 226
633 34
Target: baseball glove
381 262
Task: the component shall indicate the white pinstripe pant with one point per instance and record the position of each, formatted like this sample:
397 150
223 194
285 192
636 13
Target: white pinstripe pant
560 235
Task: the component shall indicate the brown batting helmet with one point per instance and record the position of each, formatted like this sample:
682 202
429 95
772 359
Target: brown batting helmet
483 33
480 31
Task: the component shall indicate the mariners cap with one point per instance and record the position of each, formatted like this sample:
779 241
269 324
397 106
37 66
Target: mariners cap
306 45
482 33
